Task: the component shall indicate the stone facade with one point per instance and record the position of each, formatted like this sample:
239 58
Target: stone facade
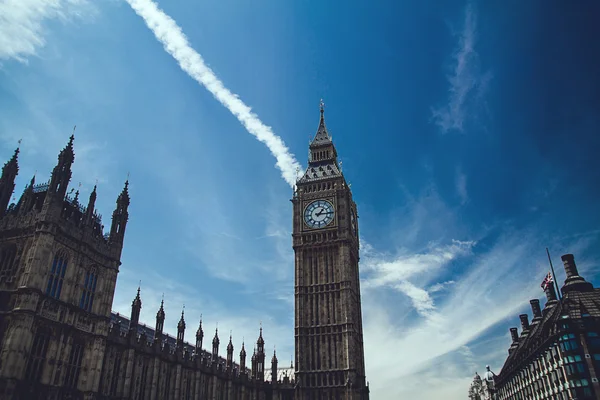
58 272
328 318
482 389
557 355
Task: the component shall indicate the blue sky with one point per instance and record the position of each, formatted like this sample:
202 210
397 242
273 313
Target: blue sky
468 131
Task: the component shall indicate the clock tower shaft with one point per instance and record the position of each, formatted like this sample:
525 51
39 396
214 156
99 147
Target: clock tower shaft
328 319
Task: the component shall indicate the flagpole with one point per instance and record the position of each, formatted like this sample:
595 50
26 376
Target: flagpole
553 274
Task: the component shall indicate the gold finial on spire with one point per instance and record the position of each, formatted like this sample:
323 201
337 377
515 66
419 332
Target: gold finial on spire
19 141
322 106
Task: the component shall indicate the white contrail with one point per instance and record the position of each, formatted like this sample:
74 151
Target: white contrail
176 44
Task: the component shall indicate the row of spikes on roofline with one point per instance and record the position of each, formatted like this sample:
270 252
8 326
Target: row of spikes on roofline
59 181
257 357
573 282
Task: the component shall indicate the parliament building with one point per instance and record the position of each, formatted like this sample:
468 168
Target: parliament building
58 271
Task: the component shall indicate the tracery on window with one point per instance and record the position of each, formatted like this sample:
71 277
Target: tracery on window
74 364
7 261
57 274
37 355
89 290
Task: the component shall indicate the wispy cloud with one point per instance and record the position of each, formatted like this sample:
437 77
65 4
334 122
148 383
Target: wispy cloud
461 186
176 44
470 306
22 24
448 296
467 80
383 270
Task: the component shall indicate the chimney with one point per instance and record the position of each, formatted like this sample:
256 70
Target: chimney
574 282
551 300
536 310
524 324
514 334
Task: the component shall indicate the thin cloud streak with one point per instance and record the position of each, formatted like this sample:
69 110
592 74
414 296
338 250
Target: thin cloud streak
461 186
467 82
176 44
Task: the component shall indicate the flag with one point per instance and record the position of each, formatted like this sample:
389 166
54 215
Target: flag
547 280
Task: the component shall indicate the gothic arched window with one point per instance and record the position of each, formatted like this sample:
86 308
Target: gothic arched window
37 355
74 364
89 289
7 260
57 274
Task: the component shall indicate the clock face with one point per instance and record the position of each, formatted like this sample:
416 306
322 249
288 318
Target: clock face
319 214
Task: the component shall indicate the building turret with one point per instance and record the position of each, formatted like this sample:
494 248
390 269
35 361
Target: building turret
215 346
253 361
61 175
180 331
25 203
573 281
260 357
274 368
7 181
260 342
160 322
229 353
120 216
199 338
136 307
243 358
551 300
89 212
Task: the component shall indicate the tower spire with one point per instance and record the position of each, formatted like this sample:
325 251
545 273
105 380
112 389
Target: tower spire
7 180
89 212
229 353
215 346
199 337
243 358
61 174
274 367
322 135
160 321
25 203
136 307
120 216
181 330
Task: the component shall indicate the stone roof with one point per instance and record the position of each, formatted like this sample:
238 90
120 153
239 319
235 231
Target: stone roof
322 136
329 170
575 305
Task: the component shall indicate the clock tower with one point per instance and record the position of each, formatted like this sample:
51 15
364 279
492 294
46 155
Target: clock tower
328 319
